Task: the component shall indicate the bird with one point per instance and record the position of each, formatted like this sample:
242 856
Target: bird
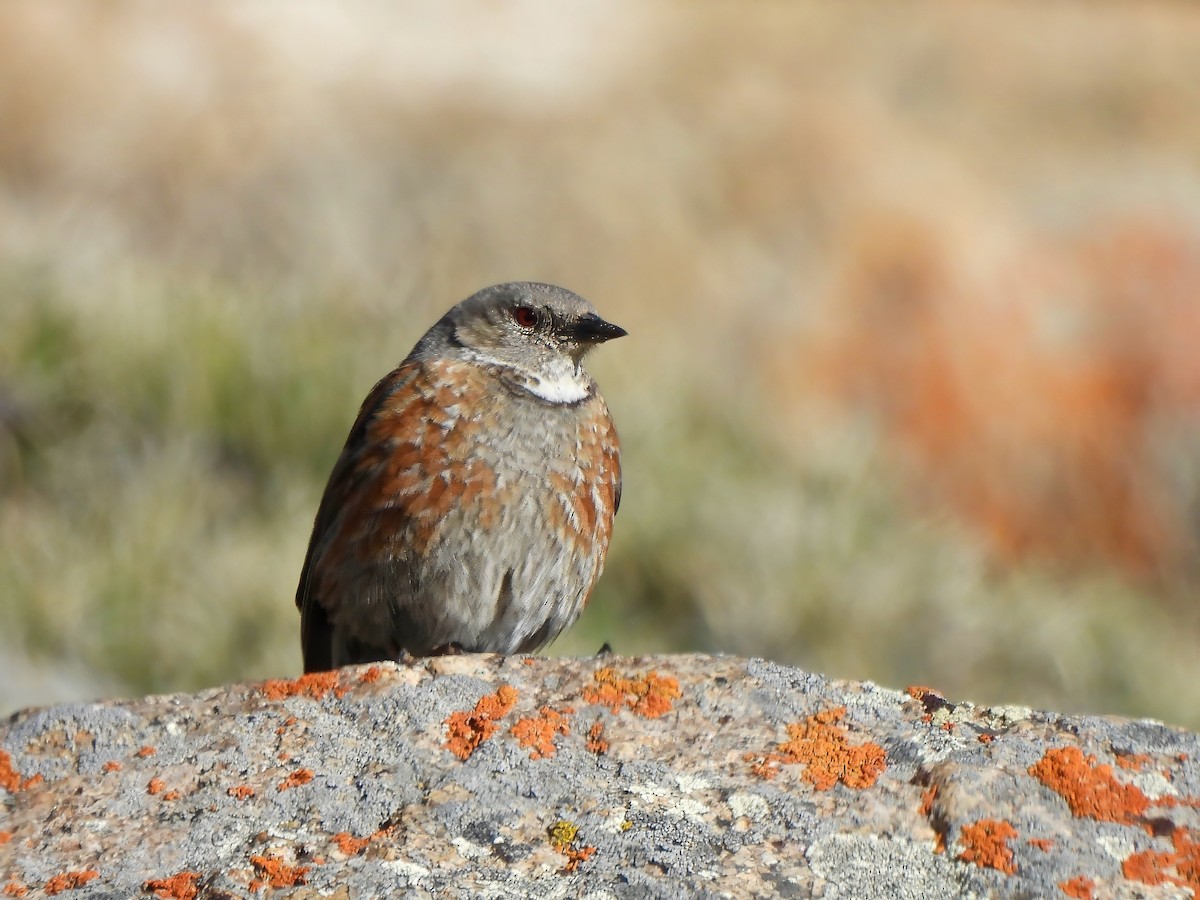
472 505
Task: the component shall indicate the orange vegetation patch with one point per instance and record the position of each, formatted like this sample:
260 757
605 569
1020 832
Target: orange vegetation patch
111 766
1079 887
913 334
1043 844
241 792
595 739
274 873
297 778
180 886
371 676
1090 790
156 786
15 889
826 752
651 695
145 752
537 732
986 845
465 731
69 881
314 685
1179 866
171 795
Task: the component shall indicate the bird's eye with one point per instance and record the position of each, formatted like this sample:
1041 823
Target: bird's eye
524 316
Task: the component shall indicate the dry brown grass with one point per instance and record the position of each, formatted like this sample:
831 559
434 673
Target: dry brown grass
910 390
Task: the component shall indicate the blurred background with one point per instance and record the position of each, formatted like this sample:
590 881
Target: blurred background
913 294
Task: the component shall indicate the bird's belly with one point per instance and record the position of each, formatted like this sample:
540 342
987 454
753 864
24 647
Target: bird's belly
510 579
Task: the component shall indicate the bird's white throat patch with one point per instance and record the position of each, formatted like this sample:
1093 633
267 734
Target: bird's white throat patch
566 386
562 381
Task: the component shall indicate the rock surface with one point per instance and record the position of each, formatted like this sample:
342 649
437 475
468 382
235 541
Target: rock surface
607 777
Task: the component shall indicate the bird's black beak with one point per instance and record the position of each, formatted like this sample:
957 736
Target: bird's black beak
591 329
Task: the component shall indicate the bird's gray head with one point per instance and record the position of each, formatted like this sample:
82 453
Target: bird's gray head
539 333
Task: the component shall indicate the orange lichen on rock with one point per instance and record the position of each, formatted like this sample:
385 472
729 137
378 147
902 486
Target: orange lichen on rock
465 731
537 733
156 786
927 798
15 889
241 792
286 724
274 873
69 881
1090 790
371 676
562 838
986 844
180 886
1133 762
111 766
314 685
10 778
5 837
651 695
145 752
827 754
352 846
577 855
1079 887
297 778
349 844
595 739
1043 844
1152 867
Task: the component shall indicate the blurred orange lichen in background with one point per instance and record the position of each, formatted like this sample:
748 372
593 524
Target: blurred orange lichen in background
1036 391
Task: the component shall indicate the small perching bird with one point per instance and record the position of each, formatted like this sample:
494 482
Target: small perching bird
472 505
